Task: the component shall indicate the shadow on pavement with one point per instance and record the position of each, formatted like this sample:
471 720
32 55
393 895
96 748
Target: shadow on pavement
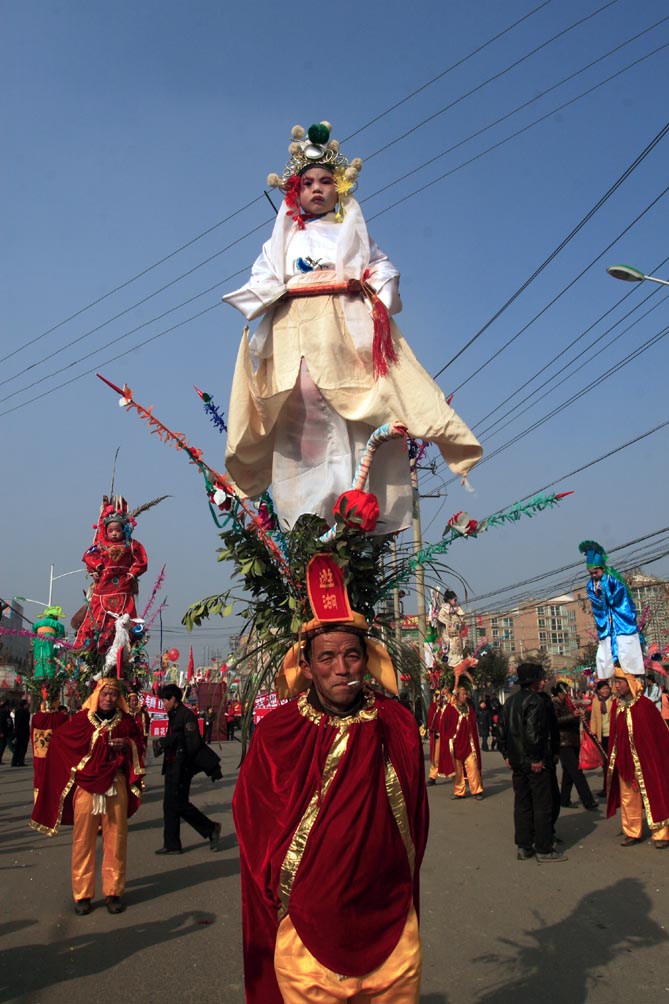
601 926
38 966
150 887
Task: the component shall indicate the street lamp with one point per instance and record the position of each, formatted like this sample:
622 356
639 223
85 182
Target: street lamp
52 579
629 274
26 599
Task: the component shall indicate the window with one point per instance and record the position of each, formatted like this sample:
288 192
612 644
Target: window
542 622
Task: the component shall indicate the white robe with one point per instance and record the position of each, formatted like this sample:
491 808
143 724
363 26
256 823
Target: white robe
304 400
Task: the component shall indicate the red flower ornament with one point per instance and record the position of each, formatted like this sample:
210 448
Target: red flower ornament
357 509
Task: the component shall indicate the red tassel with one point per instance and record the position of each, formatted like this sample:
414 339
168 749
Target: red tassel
384 354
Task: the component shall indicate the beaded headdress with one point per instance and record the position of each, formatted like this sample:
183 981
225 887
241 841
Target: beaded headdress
314 148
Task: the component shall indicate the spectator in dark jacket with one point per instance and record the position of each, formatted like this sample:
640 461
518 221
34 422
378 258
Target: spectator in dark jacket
483 723
181 745
21 733
6 727
524 739
569 721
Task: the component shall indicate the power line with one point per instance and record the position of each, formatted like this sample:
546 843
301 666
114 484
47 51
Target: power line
579 226
518 108
59 386
252 202
564 290
490 80
575 397
571 344
139 303
119 338
496 427
112 359
133 278
449 69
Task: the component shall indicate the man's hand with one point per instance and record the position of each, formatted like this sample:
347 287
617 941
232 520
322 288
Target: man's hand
537 767
506 761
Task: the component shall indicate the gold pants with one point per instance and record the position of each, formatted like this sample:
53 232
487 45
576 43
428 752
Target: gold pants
631 811
303 980
114 824
471 766
434 763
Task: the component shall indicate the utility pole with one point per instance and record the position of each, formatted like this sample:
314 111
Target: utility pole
418 546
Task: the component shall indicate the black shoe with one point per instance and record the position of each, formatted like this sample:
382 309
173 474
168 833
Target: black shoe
168 850
82 907
568 805
479 798
660 845
601 794
214 837
430 782
115 904
551 856
592 808
456 797
524 854
630 841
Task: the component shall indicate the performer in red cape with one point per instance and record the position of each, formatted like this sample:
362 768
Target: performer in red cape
460 752
92 777
638 758
115 562
331 814
141 716
434 715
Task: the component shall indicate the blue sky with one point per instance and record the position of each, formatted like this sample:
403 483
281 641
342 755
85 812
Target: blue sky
132 128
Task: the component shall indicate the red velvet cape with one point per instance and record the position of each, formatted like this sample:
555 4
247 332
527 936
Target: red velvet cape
459 731
637 728
79 754
353 885
42 726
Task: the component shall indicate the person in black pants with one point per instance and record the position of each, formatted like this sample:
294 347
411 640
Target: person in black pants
524 739
180 746
569 721
21 733
6 727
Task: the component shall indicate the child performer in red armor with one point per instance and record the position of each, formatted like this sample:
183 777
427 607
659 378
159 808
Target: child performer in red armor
115 562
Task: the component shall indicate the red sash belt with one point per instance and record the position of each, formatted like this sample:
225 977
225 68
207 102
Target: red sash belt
383 352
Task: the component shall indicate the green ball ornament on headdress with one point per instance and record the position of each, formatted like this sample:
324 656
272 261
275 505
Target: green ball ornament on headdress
319 133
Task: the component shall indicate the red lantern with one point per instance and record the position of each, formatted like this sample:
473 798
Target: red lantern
173 654
19 681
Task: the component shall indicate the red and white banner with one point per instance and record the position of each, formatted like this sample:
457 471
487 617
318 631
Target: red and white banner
159 726
153 704
263 704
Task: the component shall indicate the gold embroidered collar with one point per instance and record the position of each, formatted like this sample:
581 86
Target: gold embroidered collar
367 712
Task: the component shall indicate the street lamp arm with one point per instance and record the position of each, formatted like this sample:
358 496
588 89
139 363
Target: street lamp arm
629 274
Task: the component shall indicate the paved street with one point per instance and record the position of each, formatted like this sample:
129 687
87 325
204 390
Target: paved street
495 930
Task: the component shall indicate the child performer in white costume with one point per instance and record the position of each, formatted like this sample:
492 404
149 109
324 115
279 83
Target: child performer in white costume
327 366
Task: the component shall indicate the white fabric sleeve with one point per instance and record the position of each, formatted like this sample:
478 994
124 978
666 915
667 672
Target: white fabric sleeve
262 290
384 279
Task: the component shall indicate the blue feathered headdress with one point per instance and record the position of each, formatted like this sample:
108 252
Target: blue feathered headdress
595 555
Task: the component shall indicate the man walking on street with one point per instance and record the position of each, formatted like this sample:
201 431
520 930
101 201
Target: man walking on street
21 734
181 745
524 738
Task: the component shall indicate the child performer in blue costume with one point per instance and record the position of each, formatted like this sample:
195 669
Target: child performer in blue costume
614 613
